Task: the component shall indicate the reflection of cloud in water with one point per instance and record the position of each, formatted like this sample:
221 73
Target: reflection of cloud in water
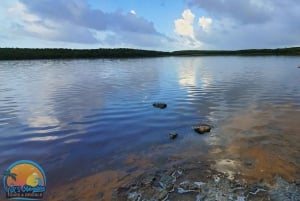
59 103
71 141
45 138
192 73
187 76
206 80
188 72
196 79
42 121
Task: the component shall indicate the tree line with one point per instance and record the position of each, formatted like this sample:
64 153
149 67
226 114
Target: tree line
61 53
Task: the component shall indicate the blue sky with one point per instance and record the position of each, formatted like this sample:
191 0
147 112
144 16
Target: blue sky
155 24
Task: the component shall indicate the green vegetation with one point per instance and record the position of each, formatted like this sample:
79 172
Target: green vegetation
293 51
28 53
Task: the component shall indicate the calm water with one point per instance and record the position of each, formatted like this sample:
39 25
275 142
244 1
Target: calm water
78 117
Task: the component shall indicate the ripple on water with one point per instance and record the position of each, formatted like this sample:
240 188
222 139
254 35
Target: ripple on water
92 114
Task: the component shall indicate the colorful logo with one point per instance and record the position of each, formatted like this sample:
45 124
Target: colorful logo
24 180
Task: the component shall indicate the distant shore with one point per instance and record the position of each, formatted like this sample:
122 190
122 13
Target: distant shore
60 53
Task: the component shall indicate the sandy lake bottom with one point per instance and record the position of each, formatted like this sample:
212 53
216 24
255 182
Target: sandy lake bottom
252 155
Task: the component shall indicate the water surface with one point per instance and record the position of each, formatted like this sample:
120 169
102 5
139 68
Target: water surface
80 117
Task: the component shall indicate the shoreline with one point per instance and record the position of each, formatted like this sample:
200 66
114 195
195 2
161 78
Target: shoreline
242 163
61 53
190 181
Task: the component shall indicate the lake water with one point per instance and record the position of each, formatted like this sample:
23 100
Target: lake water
77 118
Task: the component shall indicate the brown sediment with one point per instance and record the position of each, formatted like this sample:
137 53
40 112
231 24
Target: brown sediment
263 142
139 161
95 187
258 165
251 147
188 149
100 186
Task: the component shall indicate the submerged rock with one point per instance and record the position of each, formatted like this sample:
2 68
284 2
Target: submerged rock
167 182
162 195
160 105
202 128
148 180
284 191
186 186
200 197
134 196
200 187
172 136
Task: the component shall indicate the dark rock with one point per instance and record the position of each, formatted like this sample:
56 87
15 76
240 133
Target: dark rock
200 197
202 128
189 186
160 105
172 136
177 173
148 180
100 196
162 195
167 182
284 191
256 193
134 196
249 163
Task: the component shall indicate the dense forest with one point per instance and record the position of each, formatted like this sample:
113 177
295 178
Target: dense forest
59 53
293 51
29 53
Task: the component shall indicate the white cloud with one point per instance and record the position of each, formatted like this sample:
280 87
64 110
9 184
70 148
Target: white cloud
248 24
77 22
184 26
133 12
19 10
27 23
39 29
205 23
246 11
33 23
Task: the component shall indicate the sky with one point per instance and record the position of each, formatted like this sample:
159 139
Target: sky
165 25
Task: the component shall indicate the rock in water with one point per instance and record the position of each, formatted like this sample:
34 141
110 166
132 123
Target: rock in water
202 128
172 136
160 105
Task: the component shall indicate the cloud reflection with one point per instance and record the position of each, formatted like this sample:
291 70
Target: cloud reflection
42 121
45 138
187 73
192 73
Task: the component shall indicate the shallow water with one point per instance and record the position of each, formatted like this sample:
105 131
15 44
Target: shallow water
78 118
